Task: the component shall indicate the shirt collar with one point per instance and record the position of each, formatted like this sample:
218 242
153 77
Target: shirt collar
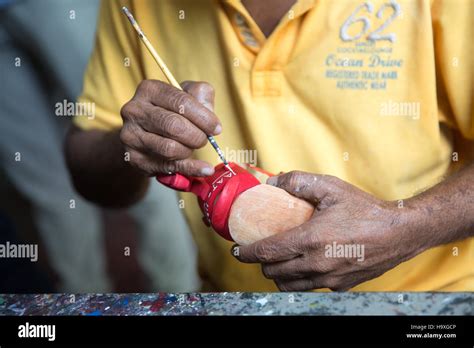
249 31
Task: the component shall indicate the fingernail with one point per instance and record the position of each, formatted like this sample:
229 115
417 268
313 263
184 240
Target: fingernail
273 180
218 130
207 171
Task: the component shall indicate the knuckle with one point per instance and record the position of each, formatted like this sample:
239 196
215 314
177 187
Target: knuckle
267 272
334 186
173 125
168 149
292 178
284 287
169 167
183 166
137 161
144 167
314 241
199 140
181 102
322 264
148 168
331 181
130 110
299 271
186 85
126 137
313 284
136 164
310 286
263 252
187 166
297 240
147 88
198 87
332 284
203 88
125 111
314 267
320 267
144 86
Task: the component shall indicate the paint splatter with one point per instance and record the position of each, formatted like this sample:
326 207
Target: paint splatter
235 304
193 298
156 305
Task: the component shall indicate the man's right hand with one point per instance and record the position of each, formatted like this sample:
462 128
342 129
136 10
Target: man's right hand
162 126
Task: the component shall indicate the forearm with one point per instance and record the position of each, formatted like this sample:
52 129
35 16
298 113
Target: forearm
444 213
99 170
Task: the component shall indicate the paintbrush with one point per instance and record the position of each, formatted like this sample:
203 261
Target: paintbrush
170 77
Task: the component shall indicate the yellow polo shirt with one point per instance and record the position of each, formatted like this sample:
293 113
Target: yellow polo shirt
377 93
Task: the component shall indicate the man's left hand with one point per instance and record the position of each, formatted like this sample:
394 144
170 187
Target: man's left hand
352 237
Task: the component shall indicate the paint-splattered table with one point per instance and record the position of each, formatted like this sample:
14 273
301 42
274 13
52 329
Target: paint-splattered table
240 304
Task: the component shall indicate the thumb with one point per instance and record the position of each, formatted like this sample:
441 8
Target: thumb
202 91
320 190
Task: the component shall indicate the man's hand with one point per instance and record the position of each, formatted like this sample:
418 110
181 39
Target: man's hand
351 238
163 125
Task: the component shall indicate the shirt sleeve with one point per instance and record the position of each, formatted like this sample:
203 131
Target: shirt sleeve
453 28
114 69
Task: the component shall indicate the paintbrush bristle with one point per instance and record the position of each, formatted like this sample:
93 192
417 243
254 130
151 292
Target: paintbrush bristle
128 14
229 168
133 21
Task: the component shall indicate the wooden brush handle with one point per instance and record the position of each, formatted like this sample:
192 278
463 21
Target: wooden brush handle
265 210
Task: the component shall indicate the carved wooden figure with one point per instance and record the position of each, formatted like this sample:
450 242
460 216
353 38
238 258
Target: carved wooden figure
239 207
